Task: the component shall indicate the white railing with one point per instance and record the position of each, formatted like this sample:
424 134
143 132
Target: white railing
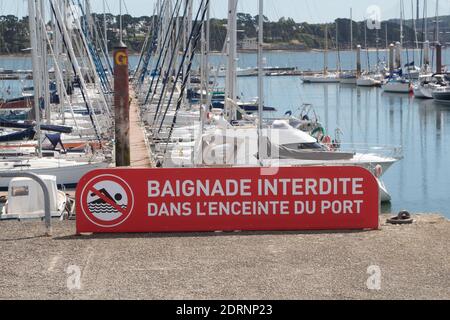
390 151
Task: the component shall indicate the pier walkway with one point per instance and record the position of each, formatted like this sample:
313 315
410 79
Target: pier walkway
140 157
414 261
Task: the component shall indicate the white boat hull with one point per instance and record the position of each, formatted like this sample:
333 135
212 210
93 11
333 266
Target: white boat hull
331 78
348 80
385 196
367 82
397 88
66 175
422 92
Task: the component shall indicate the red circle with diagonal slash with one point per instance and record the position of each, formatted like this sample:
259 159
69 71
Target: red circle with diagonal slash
90 189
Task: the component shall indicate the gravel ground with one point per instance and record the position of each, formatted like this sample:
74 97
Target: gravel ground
414 261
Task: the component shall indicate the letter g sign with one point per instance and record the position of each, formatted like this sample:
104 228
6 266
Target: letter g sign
121 58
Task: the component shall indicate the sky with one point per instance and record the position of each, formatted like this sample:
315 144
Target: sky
312 11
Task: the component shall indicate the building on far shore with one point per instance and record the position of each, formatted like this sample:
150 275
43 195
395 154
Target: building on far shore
249 44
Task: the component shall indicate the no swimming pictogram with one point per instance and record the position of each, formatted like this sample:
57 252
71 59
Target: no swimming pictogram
107 201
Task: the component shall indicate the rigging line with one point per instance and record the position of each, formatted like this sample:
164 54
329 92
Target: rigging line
147 43
162 50
171 62
187 76
162 76
423 30
85 35
181 66
99 28
59 73
126 7
153 30
151 49
141 55
75 71
154 46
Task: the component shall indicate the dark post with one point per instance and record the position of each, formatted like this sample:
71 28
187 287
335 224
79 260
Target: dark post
358 61
438 58
391 59
122 106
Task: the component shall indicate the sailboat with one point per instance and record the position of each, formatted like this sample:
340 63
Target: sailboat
242 143
396 82
350 77
326 76
428 82
67 170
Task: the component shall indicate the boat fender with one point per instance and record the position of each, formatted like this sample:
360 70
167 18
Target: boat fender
378 171
327 141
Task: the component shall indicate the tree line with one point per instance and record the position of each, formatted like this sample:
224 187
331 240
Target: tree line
14 33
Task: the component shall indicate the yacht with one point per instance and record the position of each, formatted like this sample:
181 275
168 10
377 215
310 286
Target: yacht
237 146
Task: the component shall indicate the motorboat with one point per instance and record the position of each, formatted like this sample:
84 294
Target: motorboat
292 147
424 88
321 78
237 147
442 95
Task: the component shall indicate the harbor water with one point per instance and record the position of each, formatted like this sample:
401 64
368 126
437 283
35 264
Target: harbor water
420 182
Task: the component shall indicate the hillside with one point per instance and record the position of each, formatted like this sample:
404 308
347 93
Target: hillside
284 34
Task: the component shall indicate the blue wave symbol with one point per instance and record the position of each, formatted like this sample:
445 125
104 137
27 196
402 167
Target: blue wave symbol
104 208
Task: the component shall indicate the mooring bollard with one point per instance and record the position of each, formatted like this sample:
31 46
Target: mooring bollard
122 106
47 209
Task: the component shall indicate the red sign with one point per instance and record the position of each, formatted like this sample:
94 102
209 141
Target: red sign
227 199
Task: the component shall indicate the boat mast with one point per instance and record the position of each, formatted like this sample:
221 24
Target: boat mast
41 35
105 28
36 77
205 58
418 9
426 44
89 20
120 22
367 49
187 21
386 36
338 63
325 53
377 41
60 19
415 25
230 110
208 50
260 77
401 23
351 28
437 21
425 9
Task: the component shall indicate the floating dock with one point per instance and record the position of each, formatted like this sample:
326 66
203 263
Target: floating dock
139 150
